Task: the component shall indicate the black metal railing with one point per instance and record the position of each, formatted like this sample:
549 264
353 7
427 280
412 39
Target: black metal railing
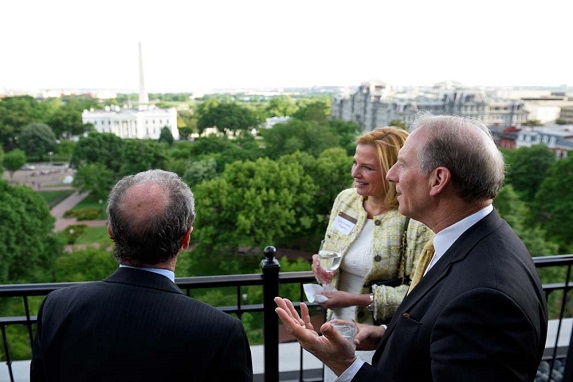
270 280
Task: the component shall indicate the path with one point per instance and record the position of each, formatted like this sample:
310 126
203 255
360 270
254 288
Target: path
67 204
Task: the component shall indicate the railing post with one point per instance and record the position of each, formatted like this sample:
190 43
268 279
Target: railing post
271 269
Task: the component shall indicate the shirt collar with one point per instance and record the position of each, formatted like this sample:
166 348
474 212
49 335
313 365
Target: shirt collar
165 272
444 239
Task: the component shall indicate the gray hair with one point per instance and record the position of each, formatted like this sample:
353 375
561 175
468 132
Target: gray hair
157 237
466 148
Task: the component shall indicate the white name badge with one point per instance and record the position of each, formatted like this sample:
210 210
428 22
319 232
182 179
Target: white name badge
344 223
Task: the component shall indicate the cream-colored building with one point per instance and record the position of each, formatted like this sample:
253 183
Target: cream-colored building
375 104
143 123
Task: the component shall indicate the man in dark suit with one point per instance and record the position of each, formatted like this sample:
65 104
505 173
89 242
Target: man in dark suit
137 325
479 312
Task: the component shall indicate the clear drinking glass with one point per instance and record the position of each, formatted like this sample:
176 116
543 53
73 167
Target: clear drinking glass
330 258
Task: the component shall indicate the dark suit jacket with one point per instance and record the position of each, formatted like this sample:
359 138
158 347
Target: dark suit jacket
136 326
479 314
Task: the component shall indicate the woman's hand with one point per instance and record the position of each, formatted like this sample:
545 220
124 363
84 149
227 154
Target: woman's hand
321 275
340 299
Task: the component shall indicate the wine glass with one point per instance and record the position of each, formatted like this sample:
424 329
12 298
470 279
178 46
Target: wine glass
329 257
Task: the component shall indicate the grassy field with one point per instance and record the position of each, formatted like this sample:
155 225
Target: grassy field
54 197
94 235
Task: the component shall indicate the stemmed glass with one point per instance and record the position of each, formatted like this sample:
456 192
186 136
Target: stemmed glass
329 257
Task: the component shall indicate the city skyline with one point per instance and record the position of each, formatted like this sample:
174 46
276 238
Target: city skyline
196 47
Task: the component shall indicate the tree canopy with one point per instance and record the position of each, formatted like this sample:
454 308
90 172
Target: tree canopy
26 219
38 140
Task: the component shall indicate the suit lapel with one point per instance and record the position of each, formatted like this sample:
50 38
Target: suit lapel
457 252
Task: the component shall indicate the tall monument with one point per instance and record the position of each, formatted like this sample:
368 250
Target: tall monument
143 99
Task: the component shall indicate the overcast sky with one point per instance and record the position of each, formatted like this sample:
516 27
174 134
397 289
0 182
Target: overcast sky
196 45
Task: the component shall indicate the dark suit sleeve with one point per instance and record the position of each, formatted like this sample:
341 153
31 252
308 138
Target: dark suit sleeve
236 363
37 371
483 335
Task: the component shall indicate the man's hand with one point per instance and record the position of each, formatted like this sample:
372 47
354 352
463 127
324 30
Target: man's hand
331 348
368 337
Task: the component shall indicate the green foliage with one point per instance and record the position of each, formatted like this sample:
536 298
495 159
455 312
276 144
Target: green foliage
516 213
93 235
316 111
26 219
398 123
88 264
140 155
14 160
254 204
227 117
528 168
94 178
17 112
66 121
347 131
65 150
166 136
103 148
200 171
37 139
553 205
296 135
83 214
532 122
280 106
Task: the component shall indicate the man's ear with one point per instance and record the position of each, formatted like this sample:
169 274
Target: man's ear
110 233
439 180
186 239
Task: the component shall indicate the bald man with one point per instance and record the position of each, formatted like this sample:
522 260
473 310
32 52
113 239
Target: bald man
137 325
479 312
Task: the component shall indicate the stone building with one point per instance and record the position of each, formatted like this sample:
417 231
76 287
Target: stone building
375 104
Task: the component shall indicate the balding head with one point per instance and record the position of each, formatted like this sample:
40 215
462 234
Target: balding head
149 214
465 147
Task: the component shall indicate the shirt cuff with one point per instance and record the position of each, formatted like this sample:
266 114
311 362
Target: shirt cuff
351 371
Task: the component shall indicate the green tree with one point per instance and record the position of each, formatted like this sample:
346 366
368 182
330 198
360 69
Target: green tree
166 136
516 213
199 171
141 155
37 140
347 132
14 160
67 123
398 123
94 178
528 168
104 148
297 135
253 204
90 264
317 111
2 159
17 112
27 244
553 204
532 122
65 150
228 117
280 106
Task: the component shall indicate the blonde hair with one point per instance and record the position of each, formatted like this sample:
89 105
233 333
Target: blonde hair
388 141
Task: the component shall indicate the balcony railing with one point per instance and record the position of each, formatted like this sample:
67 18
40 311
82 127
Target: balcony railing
270 280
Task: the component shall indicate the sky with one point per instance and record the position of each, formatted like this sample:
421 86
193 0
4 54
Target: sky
199 45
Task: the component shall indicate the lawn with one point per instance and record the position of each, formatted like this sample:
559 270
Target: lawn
94 235
54 197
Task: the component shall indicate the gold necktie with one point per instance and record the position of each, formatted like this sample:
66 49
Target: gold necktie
427 254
